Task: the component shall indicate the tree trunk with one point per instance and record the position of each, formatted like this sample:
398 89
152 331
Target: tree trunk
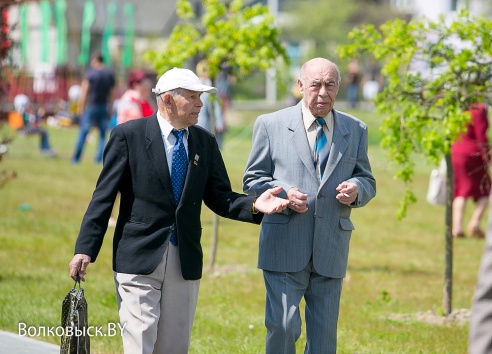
448 237
215 243
215 231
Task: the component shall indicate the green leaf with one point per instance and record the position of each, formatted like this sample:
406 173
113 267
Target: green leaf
424 112
243 38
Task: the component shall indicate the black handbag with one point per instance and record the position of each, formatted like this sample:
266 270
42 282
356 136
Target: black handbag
75 338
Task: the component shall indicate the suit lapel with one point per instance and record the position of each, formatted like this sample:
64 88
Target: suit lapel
157 153
338 146
300 141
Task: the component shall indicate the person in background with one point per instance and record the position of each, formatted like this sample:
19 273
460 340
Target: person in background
95 102
318 155
224 81
353 80
73 101
113 120
135 102
216 124
165 168
31 124
470 157
372 81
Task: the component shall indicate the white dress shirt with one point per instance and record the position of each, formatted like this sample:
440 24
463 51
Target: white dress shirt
169 139
310 125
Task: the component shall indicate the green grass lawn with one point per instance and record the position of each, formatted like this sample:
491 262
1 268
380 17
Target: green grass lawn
395 267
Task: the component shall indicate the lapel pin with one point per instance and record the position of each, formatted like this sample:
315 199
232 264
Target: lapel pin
196 160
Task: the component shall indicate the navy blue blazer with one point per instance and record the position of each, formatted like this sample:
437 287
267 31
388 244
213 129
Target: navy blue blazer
135 164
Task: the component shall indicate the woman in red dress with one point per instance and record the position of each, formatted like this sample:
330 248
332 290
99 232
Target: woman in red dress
134 103
470 158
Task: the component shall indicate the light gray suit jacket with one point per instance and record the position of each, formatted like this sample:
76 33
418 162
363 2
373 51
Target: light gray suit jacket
281 156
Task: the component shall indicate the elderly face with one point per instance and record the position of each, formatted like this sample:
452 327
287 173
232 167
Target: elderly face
319 84
182 109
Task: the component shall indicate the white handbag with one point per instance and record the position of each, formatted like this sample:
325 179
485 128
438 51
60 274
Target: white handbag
370 90
436 194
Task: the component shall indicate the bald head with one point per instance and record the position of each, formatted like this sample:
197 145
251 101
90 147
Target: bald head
319 81
318 61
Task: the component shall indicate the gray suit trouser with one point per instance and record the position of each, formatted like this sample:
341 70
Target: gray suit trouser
284 292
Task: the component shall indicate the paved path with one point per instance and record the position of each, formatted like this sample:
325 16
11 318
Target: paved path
11 343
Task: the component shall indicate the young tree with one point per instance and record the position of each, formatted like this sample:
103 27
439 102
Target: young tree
434 71
227 35
243 39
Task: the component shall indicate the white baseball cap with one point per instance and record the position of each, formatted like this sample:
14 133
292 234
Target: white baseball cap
181 78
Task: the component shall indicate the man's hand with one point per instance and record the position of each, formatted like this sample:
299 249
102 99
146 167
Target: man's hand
347 192
78 265
268 203
297 200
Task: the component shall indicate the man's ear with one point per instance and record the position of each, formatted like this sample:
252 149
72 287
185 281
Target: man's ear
301 86
167 97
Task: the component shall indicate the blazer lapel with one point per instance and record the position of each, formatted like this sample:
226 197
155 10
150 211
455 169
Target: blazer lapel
157 153
338 146
300 141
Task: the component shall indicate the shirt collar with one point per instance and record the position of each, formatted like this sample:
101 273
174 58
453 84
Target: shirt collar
166 127
309 119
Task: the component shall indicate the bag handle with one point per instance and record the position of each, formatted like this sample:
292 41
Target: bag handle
77 280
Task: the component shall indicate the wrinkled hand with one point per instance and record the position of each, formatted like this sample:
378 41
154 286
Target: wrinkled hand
268 203
347 192
79 265
297 200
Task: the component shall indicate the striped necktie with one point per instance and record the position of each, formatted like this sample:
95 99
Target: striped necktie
321 148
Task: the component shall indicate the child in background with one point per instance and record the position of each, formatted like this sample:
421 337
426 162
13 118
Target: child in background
31 124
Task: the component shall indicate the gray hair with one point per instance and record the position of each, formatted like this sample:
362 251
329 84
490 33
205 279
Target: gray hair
174 93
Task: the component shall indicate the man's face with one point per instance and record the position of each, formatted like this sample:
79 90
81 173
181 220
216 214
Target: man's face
320 87
185 108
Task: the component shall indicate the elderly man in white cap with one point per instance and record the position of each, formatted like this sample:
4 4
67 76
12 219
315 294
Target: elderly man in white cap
164 166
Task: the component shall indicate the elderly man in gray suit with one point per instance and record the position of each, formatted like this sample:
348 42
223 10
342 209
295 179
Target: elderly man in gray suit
319 156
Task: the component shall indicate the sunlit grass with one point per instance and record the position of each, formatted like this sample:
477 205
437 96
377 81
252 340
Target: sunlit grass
394 267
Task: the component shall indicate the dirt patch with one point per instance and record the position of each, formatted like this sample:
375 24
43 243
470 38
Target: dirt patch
458 316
